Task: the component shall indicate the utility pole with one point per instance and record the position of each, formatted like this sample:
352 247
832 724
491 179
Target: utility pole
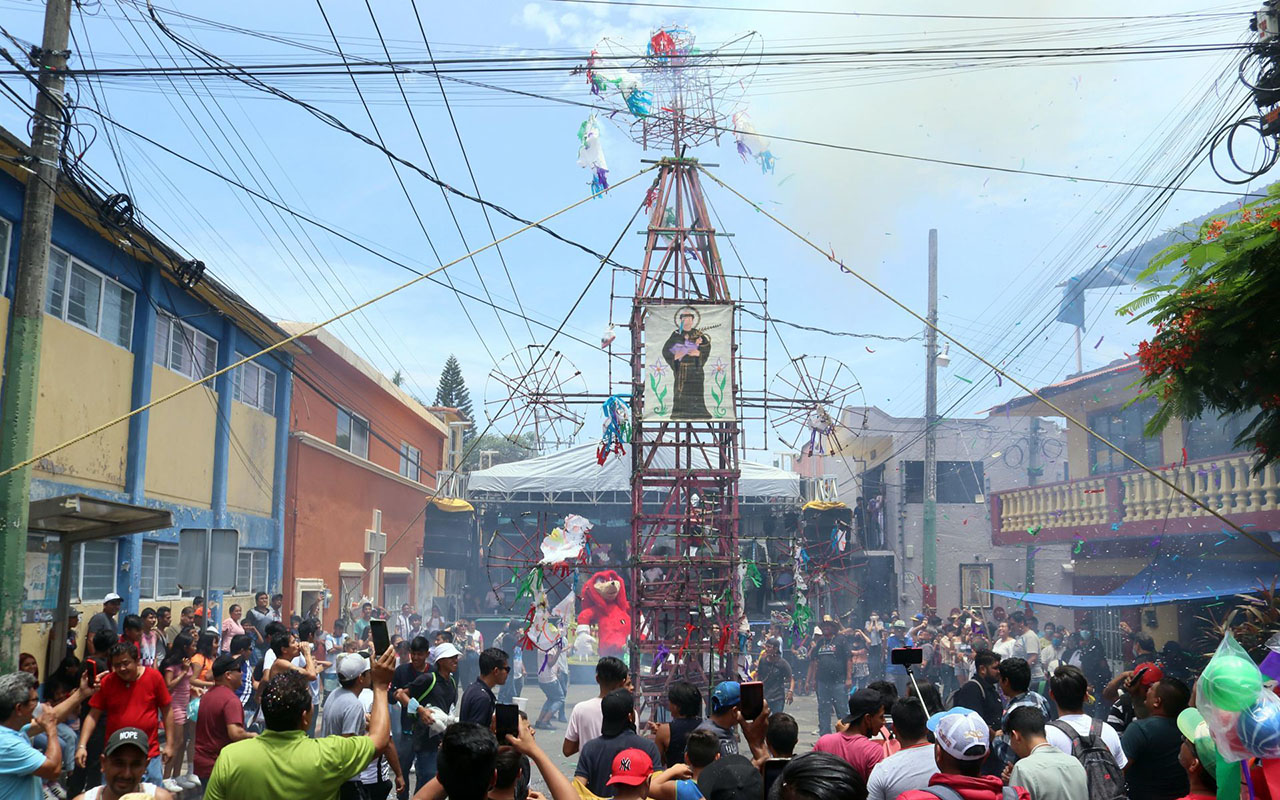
930 434
1034 471
22 350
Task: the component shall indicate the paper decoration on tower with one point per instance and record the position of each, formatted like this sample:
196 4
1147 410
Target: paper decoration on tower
617 428
629 87
591 154
688 356
752 144
567 543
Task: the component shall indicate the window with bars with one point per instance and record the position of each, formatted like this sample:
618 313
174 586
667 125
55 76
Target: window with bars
1123 426
86 298
353 433
251 571
410 461
184 349
93 570
158 571
254 385
958 481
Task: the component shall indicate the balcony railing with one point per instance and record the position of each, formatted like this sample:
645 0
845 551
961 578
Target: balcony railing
1134 503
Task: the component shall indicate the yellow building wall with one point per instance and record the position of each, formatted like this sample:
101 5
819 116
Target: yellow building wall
84 381
180 441
252 463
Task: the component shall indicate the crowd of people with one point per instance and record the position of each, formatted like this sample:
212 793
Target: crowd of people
267 707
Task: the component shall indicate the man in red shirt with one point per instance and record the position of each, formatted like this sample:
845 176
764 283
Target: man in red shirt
866 717
221 719
963 742
132 696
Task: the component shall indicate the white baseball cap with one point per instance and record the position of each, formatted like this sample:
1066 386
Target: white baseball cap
351 666
444 650
962 733
111 597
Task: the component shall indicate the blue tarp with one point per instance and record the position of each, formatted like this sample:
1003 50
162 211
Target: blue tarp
1168 580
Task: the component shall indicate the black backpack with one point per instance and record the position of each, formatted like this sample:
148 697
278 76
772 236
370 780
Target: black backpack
1106 779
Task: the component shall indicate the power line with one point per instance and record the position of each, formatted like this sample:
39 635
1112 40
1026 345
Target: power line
820 12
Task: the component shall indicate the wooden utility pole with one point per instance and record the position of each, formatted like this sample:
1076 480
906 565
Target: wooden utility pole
22 348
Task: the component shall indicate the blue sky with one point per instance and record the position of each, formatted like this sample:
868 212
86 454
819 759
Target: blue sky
1006 240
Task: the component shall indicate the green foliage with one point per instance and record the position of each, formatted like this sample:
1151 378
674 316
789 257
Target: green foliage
1217 346
505 450
452 391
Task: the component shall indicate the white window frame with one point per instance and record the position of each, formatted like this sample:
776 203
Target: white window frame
77 558
196 340
351 418
7 225
410 462
256 559
72 263
151 564
264 401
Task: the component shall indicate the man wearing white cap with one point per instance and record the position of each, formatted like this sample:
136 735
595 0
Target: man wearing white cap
104 620
430 698
344 715
963 742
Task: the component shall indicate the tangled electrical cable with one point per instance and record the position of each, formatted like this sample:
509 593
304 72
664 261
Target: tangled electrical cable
1260 74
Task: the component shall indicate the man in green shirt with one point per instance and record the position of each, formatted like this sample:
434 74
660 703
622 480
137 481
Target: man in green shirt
282 763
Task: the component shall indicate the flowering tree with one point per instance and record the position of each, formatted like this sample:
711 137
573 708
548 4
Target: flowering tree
1216 346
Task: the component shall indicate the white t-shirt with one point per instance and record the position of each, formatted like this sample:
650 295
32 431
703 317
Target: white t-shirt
301 663
1082 722
903 771
1027 646
1004 649
149 789
585 721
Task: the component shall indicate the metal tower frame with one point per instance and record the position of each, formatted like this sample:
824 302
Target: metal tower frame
685 518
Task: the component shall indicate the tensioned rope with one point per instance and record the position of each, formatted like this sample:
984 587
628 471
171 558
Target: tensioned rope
830 256
416 279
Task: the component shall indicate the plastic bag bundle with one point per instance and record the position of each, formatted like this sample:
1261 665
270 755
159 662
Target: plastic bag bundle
1242 713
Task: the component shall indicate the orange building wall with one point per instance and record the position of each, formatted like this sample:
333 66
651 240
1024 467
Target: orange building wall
329 500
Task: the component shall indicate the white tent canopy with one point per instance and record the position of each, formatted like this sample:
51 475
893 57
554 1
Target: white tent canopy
576 470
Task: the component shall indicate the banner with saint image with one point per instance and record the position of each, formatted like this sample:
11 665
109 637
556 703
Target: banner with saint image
688 363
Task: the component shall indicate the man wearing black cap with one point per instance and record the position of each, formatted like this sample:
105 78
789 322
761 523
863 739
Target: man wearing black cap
854 745
617 733
221 718
729 778
124 760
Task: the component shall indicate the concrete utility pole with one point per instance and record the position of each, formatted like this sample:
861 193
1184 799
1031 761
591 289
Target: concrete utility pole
930 433
1034 471
22 350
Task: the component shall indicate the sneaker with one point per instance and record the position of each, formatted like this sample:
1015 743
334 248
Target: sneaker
188 781
171 785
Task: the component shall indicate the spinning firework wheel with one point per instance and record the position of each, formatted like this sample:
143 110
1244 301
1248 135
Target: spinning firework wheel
808 397
527 398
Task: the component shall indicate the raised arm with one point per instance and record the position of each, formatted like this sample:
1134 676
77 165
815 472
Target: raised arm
557 784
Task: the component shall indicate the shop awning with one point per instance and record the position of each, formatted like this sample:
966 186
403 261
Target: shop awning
1169 580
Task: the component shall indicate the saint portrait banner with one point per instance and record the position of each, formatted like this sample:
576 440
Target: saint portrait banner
688 363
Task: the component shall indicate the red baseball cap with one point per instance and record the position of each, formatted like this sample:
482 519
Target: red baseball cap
1151 673
630 767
